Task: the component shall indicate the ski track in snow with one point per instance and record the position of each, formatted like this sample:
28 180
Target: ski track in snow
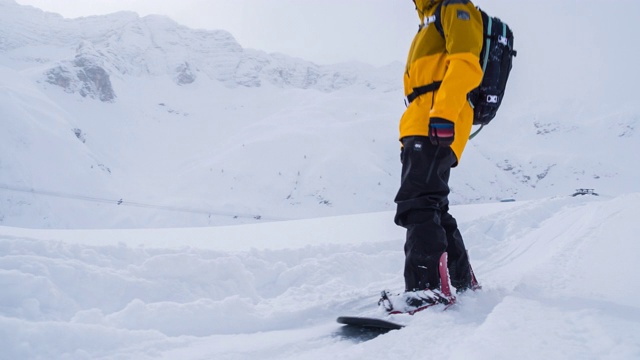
557 278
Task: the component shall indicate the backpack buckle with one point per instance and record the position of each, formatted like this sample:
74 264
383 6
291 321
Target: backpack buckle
492 99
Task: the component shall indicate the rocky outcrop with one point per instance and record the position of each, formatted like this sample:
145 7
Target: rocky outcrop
184 74
85 75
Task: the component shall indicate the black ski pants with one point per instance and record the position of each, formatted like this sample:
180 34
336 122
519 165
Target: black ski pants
423 209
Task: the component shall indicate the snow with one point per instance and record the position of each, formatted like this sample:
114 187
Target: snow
230 204
557 278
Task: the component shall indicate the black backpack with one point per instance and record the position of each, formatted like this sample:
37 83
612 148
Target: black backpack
496 59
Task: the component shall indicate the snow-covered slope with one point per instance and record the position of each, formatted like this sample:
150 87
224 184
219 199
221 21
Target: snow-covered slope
185 120
557 275
121 121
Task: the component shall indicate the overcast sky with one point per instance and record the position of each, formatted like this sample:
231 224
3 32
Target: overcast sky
323 31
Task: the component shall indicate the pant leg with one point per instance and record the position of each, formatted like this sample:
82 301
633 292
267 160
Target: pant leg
458 264
420 200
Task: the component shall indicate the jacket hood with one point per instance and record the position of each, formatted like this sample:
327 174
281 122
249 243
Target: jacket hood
423 7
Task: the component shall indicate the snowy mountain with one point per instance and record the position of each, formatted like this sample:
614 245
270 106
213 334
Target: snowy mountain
126 121
156 114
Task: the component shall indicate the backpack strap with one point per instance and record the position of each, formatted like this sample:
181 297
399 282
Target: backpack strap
487 45
435 19
438 19
476 132
421 90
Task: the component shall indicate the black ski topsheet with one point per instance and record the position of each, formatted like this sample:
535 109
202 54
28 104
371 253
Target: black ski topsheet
369 323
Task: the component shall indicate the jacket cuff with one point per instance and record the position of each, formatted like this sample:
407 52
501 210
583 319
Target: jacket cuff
440 121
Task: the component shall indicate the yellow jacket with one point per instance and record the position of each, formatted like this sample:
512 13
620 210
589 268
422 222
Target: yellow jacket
455 62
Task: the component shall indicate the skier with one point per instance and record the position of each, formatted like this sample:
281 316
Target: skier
434 129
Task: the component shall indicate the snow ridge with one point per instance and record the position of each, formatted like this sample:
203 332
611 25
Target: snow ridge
125 44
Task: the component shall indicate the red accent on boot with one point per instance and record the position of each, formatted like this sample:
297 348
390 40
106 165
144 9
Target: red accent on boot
474 282
445 283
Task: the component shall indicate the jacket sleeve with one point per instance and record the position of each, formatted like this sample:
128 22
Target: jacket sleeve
462 27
